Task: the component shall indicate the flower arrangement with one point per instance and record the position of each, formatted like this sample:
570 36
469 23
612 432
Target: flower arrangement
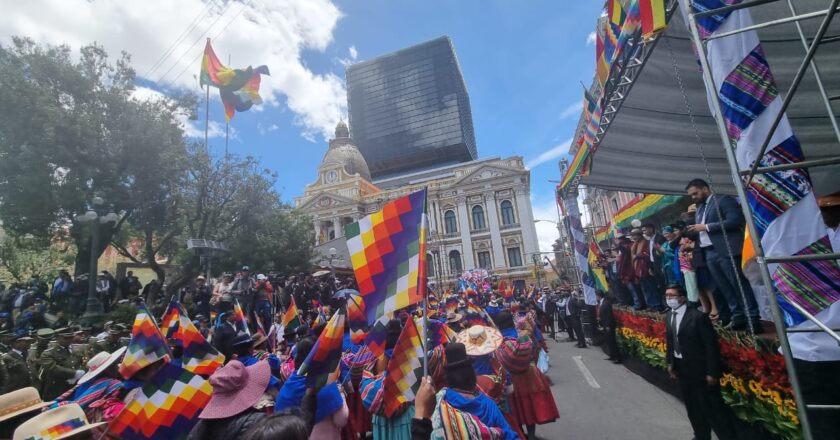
756 385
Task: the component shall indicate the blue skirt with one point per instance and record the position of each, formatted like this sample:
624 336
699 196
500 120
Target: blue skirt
395 428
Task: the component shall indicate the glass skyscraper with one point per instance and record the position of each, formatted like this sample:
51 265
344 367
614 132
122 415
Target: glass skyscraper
409 110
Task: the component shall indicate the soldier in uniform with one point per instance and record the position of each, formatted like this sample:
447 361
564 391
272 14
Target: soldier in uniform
5 341
111 343
14 363
60 367
43 338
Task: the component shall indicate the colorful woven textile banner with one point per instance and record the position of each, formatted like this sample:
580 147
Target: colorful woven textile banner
167 406
386 249
581 249
404 371
199 356
782 203
323 360
146 346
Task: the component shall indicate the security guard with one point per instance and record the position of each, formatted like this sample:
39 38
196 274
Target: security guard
14 363
60 367
44 339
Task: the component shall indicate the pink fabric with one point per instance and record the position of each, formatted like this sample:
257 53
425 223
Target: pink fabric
330 428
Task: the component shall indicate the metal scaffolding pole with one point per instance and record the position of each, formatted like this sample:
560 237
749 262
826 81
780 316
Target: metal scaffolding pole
759 250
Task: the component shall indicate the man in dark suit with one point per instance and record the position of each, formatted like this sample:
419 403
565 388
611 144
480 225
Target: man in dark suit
693 356
573 310
719 224
607 319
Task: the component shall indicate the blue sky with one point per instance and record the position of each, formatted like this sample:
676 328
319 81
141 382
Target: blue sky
522 62
522 66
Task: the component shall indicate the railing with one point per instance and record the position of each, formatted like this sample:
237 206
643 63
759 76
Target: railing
480 231
509 226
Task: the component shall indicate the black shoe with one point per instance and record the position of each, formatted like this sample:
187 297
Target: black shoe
610 359
581 346
569 340
616 361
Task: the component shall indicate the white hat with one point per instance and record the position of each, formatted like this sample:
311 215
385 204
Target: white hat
62 422
480 340
261 277
20 402
99 363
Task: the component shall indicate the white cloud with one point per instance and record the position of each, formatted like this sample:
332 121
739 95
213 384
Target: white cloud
270 32
546 231
263 129
353 56
353 53
549 155
590 39
571 110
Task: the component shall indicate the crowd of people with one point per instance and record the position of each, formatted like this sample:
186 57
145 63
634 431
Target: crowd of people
483 377
700 251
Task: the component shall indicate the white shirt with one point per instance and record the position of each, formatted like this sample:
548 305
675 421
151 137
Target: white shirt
679 312
651 242
834 238
705 241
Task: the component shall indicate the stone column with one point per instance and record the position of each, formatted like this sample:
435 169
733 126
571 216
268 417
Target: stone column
466 240
495 232
526 222
339 231
317 232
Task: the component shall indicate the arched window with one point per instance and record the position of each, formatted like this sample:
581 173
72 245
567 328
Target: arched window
455 262
449 222
430 265
478 217
507 213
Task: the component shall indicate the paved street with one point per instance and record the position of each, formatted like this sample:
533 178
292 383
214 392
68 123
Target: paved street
599 400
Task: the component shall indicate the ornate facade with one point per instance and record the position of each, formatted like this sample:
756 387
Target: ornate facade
479 211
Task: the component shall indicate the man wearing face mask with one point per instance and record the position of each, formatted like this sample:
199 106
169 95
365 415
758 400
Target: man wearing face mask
693 357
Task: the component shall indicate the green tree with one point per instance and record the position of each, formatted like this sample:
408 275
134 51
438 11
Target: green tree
72 130
23 257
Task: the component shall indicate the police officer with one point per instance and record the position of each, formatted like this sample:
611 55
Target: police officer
60 367
14 363
44 338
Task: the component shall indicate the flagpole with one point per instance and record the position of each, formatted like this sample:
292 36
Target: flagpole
425 290
207 120
227 123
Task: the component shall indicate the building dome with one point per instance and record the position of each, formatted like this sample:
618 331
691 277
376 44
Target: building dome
342 151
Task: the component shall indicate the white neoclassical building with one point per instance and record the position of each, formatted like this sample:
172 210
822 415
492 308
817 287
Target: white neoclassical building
479 211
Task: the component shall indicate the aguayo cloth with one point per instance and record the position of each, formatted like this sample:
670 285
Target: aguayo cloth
783 206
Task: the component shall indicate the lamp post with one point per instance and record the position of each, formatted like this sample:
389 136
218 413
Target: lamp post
332 260
569 248
96 216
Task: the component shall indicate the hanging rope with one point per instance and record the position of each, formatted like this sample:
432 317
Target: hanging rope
709 179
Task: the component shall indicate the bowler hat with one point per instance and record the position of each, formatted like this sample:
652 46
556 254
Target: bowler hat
456 357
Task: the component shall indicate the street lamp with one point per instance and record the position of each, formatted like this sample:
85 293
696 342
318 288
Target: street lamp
96 216
332 261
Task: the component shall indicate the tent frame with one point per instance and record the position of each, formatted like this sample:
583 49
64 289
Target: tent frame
762 260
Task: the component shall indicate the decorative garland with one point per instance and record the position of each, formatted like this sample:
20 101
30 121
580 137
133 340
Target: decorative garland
756 385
